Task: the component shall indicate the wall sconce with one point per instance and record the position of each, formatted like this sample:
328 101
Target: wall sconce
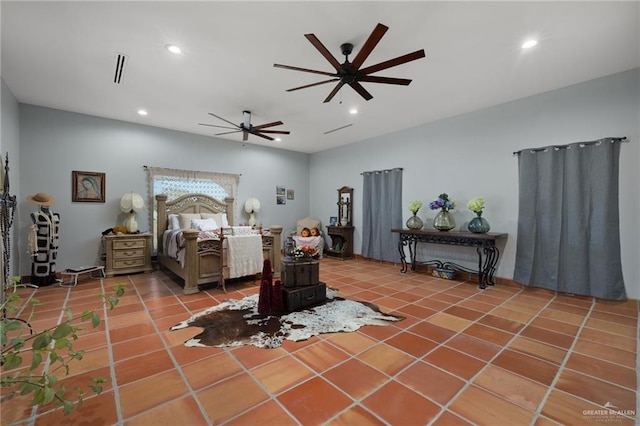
252 206
131 203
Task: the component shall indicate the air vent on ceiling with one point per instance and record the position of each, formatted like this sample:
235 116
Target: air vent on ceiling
121 62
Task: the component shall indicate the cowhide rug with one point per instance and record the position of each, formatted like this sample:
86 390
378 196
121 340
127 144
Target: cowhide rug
237 322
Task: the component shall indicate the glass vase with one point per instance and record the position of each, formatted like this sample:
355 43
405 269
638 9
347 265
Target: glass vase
444 221
414 222
479 224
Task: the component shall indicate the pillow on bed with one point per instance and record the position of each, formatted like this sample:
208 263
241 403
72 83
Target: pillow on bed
174 222
186 218
221 218
204 224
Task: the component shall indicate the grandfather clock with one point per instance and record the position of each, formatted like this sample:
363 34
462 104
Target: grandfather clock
341 234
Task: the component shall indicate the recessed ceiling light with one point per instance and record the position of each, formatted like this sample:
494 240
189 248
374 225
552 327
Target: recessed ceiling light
278 140
529 44
353 111
173 49
142 112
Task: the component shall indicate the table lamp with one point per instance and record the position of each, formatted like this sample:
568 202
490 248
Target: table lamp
252 206
131 203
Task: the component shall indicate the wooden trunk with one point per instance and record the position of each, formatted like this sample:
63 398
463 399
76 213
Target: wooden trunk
299 273
302 297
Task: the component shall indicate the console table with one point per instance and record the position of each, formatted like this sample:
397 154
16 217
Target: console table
485 244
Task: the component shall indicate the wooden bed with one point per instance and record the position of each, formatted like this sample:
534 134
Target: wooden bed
205 261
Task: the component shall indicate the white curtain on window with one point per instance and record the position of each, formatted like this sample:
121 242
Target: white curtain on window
176 183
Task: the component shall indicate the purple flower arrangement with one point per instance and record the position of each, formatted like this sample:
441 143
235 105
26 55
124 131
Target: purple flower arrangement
443 202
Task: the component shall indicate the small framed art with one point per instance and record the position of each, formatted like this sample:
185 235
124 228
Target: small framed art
290 194
333 221
87 187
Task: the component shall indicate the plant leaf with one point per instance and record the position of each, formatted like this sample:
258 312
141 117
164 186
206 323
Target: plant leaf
68 407
95 321
36 360
62 330
42 341
11 361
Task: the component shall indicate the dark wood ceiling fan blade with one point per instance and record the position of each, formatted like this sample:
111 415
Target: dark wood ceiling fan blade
313 84
264 126
387 80
289 67
262 136
324 51
227 133
225 120
369 45
280 132
393 62
213 125
334 91
361 90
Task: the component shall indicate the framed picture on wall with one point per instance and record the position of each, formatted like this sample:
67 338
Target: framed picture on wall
87 187
290 194
280 199
280 190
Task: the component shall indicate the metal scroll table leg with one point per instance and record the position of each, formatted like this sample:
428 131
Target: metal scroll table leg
491 260
403 258
413 250
481 270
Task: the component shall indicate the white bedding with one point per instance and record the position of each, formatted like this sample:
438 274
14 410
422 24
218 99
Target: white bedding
243 253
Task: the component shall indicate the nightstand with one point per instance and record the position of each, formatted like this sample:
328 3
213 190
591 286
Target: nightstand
127 253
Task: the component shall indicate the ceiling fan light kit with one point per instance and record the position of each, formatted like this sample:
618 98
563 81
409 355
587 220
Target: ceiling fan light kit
349 73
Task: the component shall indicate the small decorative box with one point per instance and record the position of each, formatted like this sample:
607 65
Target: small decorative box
447 274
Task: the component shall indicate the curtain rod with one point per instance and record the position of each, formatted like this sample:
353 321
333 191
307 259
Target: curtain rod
239 174
617 139
381 171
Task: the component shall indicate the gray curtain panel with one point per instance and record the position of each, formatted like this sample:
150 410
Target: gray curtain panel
568 221
382 211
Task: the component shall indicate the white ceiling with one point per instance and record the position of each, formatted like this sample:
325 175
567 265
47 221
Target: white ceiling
62 55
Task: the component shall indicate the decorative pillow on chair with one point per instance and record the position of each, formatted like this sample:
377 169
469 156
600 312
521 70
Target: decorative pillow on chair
315 232
305 232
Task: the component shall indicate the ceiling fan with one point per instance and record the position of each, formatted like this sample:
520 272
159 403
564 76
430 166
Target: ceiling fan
247 128
350 72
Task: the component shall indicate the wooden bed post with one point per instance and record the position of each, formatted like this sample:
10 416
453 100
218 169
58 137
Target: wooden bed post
231 214
191 280
161 200
276 231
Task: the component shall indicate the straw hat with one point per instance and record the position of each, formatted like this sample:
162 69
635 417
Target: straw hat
42 199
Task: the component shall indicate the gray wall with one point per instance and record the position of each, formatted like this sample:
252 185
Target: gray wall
9 144
465 156
53 143
472 155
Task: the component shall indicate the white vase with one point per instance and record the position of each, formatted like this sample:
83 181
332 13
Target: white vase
344 221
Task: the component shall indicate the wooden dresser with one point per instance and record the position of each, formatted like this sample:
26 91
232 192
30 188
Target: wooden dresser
127 253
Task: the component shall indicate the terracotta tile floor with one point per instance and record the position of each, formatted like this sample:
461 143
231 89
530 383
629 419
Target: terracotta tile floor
502 356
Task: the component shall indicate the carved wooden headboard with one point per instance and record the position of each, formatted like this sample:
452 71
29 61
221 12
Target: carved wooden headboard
191 203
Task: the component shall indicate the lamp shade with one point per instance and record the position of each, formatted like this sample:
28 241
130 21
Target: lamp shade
252 205
131 203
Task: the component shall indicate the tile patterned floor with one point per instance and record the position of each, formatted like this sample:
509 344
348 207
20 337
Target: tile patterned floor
503 356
